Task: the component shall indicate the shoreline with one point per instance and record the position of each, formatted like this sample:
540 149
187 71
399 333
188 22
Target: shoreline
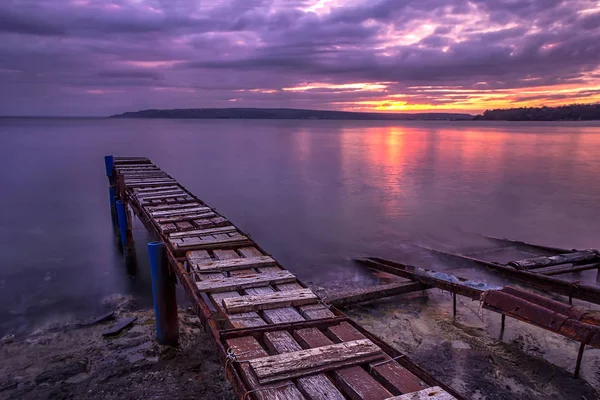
78 362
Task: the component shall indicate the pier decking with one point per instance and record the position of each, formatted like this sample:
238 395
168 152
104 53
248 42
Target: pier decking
275 337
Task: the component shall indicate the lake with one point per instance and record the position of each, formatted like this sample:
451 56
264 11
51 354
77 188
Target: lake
315 194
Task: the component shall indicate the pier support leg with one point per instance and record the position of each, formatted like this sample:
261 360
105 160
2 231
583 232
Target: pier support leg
579 359
112 193
454 304
109 162
163 291
502 325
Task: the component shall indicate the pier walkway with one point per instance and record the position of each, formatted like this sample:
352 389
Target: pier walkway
275 337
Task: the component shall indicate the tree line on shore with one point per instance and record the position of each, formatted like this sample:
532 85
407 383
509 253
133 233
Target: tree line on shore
572 112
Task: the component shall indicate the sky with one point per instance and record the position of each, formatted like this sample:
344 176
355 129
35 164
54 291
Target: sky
92 57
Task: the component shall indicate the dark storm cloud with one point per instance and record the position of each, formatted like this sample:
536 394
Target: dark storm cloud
185 53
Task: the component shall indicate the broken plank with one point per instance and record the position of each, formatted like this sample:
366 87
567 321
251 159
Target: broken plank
269 301
167 228
434 393
392 375
245 282
119 326
200 232
310 361
354 381
315 387
242 320
249 348
184 225
234 264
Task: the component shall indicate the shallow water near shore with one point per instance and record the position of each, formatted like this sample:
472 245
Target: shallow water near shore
315 194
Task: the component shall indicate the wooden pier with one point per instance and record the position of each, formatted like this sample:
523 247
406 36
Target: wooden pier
275 337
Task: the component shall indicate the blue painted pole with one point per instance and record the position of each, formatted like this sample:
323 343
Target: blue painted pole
163 292
122 219
109 162
112 192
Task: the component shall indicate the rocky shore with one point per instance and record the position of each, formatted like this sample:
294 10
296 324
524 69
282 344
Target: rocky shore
77 362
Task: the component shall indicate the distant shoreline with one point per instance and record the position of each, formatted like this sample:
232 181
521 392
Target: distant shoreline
288 113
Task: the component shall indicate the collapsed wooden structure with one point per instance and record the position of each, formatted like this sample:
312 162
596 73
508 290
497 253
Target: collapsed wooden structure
582 325
538 273
275 337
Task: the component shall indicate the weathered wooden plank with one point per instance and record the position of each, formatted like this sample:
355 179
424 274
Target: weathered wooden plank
166 195
242 320
270 301
393 376
165 207
148 184
234 264
355 382
157 189
275 315
249 348
184 225
208 242
149 181
244 282
186 217
142 196
434 393
198 256
119 326
315 387
167 228
202 232
310 361
180 211
316 311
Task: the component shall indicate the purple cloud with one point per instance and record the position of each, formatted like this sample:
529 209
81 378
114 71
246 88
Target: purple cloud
91 57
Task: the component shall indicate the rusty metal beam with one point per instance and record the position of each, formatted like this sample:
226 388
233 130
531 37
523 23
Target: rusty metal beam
373 293
528 246
576 290
586 256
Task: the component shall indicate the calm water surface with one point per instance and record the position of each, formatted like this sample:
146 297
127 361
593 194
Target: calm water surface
313 193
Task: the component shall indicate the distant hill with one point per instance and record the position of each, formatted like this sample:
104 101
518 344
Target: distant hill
573 112
285 113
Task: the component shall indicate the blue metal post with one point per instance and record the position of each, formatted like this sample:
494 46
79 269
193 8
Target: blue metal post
163 291
112 192
109 162
122 219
